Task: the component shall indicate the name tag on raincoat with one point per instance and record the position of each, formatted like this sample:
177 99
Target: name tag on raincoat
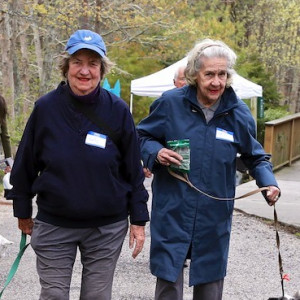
222 134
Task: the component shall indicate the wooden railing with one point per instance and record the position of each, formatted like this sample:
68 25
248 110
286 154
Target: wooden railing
282 140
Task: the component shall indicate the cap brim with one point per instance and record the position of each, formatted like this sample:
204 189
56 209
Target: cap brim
78 47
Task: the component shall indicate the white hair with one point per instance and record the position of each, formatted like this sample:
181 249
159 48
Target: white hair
208 49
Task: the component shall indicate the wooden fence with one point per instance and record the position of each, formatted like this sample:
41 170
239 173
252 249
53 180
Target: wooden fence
282 140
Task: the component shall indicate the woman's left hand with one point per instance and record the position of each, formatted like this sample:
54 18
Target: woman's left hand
7 169
137 237
273 194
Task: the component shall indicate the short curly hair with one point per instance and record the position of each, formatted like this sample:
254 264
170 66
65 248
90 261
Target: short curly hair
208 48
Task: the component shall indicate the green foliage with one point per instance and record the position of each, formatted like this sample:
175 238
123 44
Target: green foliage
273 113
193 21
16 128
132 62
250 66
270 113
260 136
145 36
272 31
141 108
2 173
166 44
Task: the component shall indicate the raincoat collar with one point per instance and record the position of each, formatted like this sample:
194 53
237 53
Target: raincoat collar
229 99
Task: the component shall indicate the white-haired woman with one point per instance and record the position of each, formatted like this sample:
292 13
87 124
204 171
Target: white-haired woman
213 125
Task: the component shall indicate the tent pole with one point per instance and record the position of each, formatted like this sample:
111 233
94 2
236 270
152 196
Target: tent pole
253 107
131 102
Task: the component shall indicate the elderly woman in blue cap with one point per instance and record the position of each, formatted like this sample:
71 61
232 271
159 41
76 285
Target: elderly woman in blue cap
80 156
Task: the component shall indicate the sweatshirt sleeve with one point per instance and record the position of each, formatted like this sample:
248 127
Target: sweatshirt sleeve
24 172
133 172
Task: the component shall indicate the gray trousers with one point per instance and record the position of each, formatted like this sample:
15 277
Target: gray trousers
56 250
166 290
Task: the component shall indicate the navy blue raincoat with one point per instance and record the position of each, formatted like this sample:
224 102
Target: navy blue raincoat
181 217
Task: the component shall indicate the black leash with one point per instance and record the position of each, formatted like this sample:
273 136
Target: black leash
282 277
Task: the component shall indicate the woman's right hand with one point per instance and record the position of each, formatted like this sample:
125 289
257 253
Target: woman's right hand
26 225
166 157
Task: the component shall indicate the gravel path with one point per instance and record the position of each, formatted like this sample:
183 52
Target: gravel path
253 271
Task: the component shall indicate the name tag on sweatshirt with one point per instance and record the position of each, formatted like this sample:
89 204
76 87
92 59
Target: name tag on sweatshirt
225 135
96 139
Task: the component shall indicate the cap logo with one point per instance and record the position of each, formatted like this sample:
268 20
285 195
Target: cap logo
87 38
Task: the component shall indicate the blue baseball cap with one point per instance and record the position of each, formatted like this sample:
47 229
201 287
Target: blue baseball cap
86 39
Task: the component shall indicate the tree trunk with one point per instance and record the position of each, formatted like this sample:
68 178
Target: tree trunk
24 75
83 20
98 23
38 52
7 61
48 51
294 96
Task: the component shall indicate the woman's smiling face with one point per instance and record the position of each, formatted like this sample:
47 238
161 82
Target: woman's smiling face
211 80
84 72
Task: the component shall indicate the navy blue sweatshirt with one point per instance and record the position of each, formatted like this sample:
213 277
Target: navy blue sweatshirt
78 184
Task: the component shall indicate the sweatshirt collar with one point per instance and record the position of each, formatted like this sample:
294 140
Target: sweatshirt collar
89 98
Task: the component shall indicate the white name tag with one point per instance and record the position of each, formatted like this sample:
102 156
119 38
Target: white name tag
96 139
225 135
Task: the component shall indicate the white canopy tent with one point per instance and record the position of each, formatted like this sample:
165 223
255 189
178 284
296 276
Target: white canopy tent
155 84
